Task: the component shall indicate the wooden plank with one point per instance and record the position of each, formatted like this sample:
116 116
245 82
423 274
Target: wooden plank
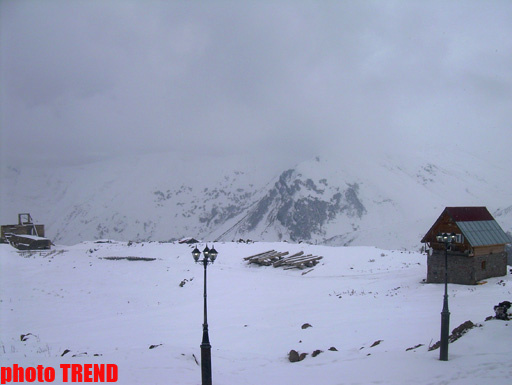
303 264
291 257
277 258
306 262
274 254
269 259
488 249
256 258
286 261
255 255
266 256
280 261
305 257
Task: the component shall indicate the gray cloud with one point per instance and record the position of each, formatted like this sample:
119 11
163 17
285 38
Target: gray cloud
88 80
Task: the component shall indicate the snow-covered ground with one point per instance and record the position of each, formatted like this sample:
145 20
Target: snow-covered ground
110 311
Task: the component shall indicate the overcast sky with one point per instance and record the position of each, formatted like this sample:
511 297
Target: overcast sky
86 80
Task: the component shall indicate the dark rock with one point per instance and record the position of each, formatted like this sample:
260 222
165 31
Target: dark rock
414 347
376 343
502 310
458 332
333 349
65 352
435 346
306 325
257 214
316 352
294 356
25 337
303 215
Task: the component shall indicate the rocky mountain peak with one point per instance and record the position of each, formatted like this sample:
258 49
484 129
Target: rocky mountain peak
300 207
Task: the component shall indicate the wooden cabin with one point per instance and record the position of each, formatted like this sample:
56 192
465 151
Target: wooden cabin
478 251
25 235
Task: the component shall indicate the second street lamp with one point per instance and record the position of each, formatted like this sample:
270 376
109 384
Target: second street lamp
209 256
447 239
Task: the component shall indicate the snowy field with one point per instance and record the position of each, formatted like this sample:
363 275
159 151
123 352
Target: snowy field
110 311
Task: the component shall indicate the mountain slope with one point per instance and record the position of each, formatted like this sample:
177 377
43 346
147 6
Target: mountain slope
387 201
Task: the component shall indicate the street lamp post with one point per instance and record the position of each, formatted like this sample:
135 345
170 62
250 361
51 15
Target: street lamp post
209 256
447 239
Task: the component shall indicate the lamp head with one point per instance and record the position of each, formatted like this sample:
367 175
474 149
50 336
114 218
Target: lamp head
446 238
196 254
213 254
206 252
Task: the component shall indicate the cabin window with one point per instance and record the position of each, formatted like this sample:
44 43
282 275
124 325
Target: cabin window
483 265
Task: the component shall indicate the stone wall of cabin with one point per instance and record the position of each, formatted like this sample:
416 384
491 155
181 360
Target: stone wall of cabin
464 269
490 265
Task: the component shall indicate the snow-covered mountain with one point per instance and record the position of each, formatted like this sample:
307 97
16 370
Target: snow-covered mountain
385 201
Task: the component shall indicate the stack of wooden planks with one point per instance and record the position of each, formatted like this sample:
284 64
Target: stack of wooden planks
266 258
276 259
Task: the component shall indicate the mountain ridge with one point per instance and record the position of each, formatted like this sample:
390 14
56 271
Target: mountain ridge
385 201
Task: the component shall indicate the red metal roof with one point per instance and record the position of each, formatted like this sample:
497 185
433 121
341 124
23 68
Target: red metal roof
475 223
466 214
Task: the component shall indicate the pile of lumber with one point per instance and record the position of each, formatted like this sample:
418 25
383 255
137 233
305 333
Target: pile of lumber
266 258
276 259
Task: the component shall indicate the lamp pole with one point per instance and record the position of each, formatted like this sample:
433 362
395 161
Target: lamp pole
209 256
447 239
